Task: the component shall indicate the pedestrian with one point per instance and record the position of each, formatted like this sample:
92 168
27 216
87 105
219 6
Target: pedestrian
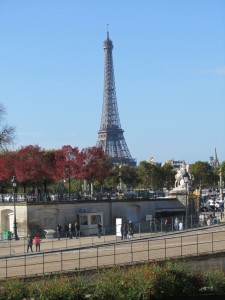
37 242
155 224
176 224
125 231
77 230
121 230
130 230
59 231
99 229
166 225
70 231
66 228
29 243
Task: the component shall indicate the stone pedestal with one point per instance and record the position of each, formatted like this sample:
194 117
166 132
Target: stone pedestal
186 198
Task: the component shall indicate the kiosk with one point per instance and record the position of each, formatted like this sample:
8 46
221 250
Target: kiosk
89 222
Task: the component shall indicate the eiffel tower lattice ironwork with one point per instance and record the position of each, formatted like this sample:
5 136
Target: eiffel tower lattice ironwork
110 135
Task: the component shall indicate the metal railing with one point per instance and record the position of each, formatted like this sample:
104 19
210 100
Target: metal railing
148 248
109 234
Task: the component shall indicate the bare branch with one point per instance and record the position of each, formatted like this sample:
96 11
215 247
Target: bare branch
7 133
6 136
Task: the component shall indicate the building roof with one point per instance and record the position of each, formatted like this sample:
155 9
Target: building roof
169 205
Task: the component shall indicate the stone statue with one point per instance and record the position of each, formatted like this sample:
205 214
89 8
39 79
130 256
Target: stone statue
179 177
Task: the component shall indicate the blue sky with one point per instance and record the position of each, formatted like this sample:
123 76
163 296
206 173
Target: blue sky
169 64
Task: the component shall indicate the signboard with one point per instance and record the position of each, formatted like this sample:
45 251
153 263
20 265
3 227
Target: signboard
118 226
148 217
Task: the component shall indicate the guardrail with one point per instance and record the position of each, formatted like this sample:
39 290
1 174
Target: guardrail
109 234
173 245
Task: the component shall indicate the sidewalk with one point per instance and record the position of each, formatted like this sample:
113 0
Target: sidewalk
16 247
13 247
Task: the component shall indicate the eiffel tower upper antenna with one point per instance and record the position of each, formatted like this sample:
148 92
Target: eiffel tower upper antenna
107 31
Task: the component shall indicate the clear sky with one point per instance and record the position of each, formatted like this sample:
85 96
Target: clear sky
169 65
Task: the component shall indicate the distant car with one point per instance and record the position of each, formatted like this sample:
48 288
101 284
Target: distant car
8 198
114 197
204 208
219 205
210 204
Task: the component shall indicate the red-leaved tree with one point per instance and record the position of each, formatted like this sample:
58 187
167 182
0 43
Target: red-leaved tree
66 165
7 165
32 166
95 164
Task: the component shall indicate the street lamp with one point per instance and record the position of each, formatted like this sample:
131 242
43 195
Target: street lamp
221 185
69 180
186 179
14 185
120 178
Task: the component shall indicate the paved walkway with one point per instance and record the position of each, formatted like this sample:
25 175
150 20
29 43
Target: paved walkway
17 247
177 244
13 247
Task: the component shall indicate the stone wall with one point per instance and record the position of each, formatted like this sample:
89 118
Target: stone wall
33 217
7 217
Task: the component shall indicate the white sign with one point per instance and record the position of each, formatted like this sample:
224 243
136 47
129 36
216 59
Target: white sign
148 217
118 226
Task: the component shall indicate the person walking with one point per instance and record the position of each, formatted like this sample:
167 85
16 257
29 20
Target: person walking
155 224
125 231
70 231
122 231
77 230
59 231
29 243
166 225
176 224
99 229
130 230
37 242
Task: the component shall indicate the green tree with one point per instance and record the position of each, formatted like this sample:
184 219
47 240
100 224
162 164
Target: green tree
169 176
222 167
150 176
203 175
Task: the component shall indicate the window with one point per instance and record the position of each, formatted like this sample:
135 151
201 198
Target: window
83 220
95 219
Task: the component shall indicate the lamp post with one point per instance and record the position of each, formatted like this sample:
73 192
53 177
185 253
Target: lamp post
120 179
69 181
221 184
14 185
186 178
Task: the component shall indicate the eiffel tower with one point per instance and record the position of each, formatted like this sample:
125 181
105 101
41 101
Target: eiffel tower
110 135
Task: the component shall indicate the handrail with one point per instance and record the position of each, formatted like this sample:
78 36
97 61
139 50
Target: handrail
121 252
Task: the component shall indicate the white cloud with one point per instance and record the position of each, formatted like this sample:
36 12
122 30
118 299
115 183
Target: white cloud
34 133
216 71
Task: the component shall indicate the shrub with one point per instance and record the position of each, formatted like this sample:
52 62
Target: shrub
187 280
214 281
62 288
149 281
13 290
107 284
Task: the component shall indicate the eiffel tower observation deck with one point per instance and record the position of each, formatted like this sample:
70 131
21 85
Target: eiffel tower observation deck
110 135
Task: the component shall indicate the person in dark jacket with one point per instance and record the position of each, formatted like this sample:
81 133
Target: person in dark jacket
59 231
99 229
77 230
29 243
130 230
